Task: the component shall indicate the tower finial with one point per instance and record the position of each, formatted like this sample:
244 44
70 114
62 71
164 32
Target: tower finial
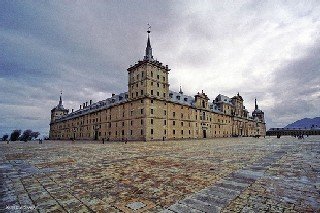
149 29
148 55
180 91
255 103
60 101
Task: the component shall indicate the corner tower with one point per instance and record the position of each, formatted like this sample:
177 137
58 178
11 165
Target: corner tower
58 111
148 78
257 113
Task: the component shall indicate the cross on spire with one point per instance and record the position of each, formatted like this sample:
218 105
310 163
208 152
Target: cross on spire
148 55
60 101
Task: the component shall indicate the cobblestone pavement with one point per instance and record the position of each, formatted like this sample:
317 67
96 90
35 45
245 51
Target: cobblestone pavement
220 175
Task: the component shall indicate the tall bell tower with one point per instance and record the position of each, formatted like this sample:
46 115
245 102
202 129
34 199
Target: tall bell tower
58 111
149 77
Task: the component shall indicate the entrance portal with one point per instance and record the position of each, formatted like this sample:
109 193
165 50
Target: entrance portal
204 134
96 135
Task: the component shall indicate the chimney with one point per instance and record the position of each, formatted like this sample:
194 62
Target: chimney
80 106
113 94
86 103
90 102
72 110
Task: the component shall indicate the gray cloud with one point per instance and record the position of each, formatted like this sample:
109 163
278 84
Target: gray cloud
267 50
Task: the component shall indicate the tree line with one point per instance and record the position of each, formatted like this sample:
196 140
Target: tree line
25 136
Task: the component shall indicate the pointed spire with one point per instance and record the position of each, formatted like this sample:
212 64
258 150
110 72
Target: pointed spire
255 104
148 55
180 91
60 101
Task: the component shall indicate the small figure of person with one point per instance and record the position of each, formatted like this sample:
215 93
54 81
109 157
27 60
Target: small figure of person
102 140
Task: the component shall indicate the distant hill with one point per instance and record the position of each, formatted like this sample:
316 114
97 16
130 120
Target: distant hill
305 123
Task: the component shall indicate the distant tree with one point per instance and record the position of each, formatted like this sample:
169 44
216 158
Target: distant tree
35 135
5 137
15 135
26 135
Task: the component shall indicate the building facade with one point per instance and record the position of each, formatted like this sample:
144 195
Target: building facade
151 111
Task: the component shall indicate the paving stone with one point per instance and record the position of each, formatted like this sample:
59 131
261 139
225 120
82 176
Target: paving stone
233 174
180 208
200 205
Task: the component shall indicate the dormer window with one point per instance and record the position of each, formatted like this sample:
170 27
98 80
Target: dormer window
170 94
113 100
178 97
185 99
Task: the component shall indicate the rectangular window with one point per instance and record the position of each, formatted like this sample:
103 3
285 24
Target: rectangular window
152 101
131 122
141 131
165 122
174 114
130 132
181 132
137 94
151 121
165 112
164 95
122 123
173 123
141 92
158 93
174 132
158 85
141 111
158 76
181 123
151 131
141 122
151 92
151 111
164 78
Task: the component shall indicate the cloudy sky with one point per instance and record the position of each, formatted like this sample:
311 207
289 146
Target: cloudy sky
264 49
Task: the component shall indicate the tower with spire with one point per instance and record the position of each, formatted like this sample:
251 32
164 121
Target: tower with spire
58 111
257 113
148 77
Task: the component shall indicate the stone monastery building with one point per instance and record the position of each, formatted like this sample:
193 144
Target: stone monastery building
151 111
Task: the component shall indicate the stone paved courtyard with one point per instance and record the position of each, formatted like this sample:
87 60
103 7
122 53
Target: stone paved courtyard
219 175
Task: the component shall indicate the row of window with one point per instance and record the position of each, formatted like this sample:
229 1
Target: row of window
158 85
142 75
